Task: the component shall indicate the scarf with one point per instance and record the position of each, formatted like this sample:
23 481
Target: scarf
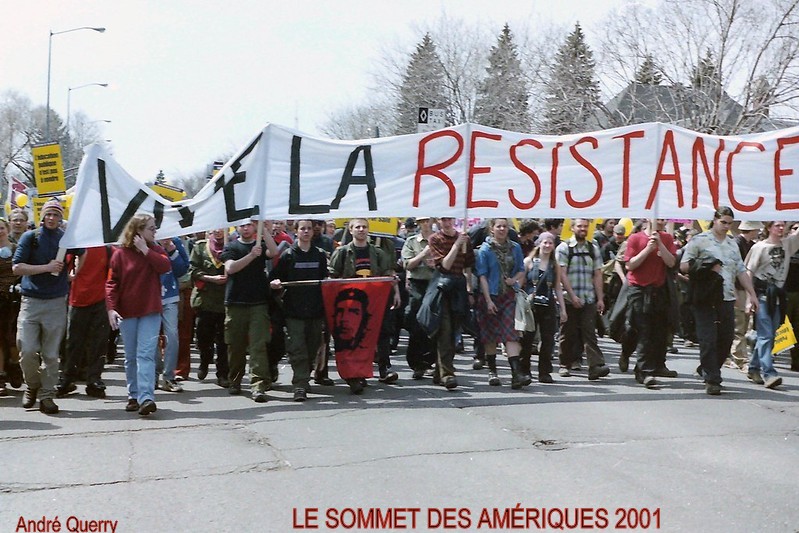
215 247
505 259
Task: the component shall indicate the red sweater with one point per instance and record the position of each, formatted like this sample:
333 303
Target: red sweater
134 287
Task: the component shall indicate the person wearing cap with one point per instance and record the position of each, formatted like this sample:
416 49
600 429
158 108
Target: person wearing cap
43 312
419 266
739 352
611 249
409 228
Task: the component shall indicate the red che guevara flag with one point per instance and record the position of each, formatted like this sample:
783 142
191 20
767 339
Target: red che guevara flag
354 311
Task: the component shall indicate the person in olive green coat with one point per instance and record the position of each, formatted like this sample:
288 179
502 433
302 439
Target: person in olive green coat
208 300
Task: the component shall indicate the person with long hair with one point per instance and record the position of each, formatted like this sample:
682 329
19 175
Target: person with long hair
9 309
713 262
500 267
544 283
133 298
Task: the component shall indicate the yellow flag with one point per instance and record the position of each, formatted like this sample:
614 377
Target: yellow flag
784 338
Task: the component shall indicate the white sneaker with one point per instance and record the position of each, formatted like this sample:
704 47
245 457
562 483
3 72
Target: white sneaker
171 386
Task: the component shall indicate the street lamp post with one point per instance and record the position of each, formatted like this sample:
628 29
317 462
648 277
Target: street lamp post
69 95
49 63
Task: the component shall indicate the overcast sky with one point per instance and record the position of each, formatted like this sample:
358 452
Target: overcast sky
190 80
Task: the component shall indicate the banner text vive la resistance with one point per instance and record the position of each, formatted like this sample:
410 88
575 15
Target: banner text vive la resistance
642 170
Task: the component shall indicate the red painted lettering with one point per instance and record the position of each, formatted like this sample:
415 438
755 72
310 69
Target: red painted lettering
478 170
591 168
625 173
698 154
779 172
735 203
527 170
436 170
553 177
668 146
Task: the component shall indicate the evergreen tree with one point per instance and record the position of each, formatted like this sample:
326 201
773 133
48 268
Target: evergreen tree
648 73
705 75
572 89
502 97
423 85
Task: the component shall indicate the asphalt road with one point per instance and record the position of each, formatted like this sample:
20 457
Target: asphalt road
574 455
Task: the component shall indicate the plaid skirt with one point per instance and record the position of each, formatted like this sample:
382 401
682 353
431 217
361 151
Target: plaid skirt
499 327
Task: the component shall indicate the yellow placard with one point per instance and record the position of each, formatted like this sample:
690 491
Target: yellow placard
377 226
784 337
38 203
170 192
566 233
48 169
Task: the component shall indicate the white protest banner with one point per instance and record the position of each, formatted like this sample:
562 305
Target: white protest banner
636 171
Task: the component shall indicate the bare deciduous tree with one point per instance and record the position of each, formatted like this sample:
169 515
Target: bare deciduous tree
751 48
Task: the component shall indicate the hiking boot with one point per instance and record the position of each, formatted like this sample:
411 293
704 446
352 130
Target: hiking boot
29 398
665 372
356 386
596 372
518 380
755 377
300 395
96 390
624 362
64 388
773 382
48 406
147 407
493 377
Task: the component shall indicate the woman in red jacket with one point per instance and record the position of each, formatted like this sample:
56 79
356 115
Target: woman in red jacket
133 299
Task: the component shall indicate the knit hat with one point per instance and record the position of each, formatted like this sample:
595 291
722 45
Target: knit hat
52 205
544 236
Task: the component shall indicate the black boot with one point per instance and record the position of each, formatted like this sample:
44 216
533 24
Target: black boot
517 379
524 366
493 378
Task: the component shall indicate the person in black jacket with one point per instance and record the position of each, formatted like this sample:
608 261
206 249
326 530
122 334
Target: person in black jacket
302 305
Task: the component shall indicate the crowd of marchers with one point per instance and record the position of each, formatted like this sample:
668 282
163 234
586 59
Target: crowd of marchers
519 289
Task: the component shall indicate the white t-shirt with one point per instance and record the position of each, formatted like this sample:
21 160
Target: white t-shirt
769 262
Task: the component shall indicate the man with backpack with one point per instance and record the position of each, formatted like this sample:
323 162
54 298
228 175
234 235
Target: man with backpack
581 266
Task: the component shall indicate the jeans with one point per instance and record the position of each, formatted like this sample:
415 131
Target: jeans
169 321
140 336
715 329
766 325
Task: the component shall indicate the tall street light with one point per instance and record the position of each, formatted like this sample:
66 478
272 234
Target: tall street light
69 95
49 62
